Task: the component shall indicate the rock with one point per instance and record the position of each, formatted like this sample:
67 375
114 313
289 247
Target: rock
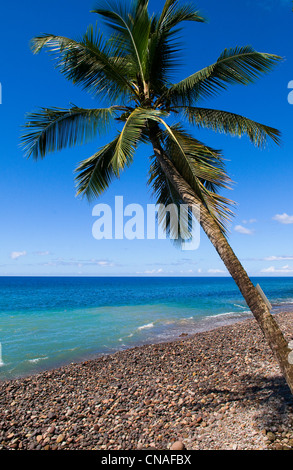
278 447
271 436
60 438
178 445
290 357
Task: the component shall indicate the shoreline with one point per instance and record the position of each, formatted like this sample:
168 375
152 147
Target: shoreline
202 327
245 316
52 323
218 389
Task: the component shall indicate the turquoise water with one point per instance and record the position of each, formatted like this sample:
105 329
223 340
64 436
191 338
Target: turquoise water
47 322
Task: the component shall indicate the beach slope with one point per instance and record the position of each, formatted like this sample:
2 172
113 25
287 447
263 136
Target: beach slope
220 389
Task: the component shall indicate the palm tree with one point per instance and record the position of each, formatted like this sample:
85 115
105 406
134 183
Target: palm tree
131 70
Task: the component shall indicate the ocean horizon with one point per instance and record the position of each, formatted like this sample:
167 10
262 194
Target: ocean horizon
47 322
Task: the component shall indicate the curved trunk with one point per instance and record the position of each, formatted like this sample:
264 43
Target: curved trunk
252 297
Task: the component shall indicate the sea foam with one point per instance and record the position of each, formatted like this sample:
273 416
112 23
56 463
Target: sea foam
37 359
1 360
148 325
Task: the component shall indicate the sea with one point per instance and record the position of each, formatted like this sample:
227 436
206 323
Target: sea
48 322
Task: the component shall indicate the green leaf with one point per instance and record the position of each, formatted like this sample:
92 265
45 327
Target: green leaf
164 48
165 194
131 134
233 124
202 168
173 14
132 28
239 65
53 129
96 173
96 65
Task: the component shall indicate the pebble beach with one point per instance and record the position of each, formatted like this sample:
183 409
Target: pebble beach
215 390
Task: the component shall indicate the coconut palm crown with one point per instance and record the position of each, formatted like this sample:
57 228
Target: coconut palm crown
131 69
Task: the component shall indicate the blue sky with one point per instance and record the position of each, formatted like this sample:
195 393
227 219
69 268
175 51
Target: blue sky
46 230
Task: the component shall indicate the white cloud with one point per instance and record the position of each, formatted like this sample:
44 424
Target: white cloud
284 218
278 258
250 221
272 269
244 230
42 253
101 263
216 271
79 263
151 271
17 254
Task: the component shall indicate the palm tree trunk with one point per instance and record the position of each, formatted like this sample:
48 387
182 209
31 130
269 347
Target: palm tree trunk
258 307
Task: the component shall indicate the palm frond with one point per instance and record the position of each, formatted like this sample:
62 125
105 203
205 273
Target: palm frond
132 26
163 60
178 229
173 14
202 168
128 140
233 124
53 129
204 162
93 63
131 134
96 173
164 47
239 65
